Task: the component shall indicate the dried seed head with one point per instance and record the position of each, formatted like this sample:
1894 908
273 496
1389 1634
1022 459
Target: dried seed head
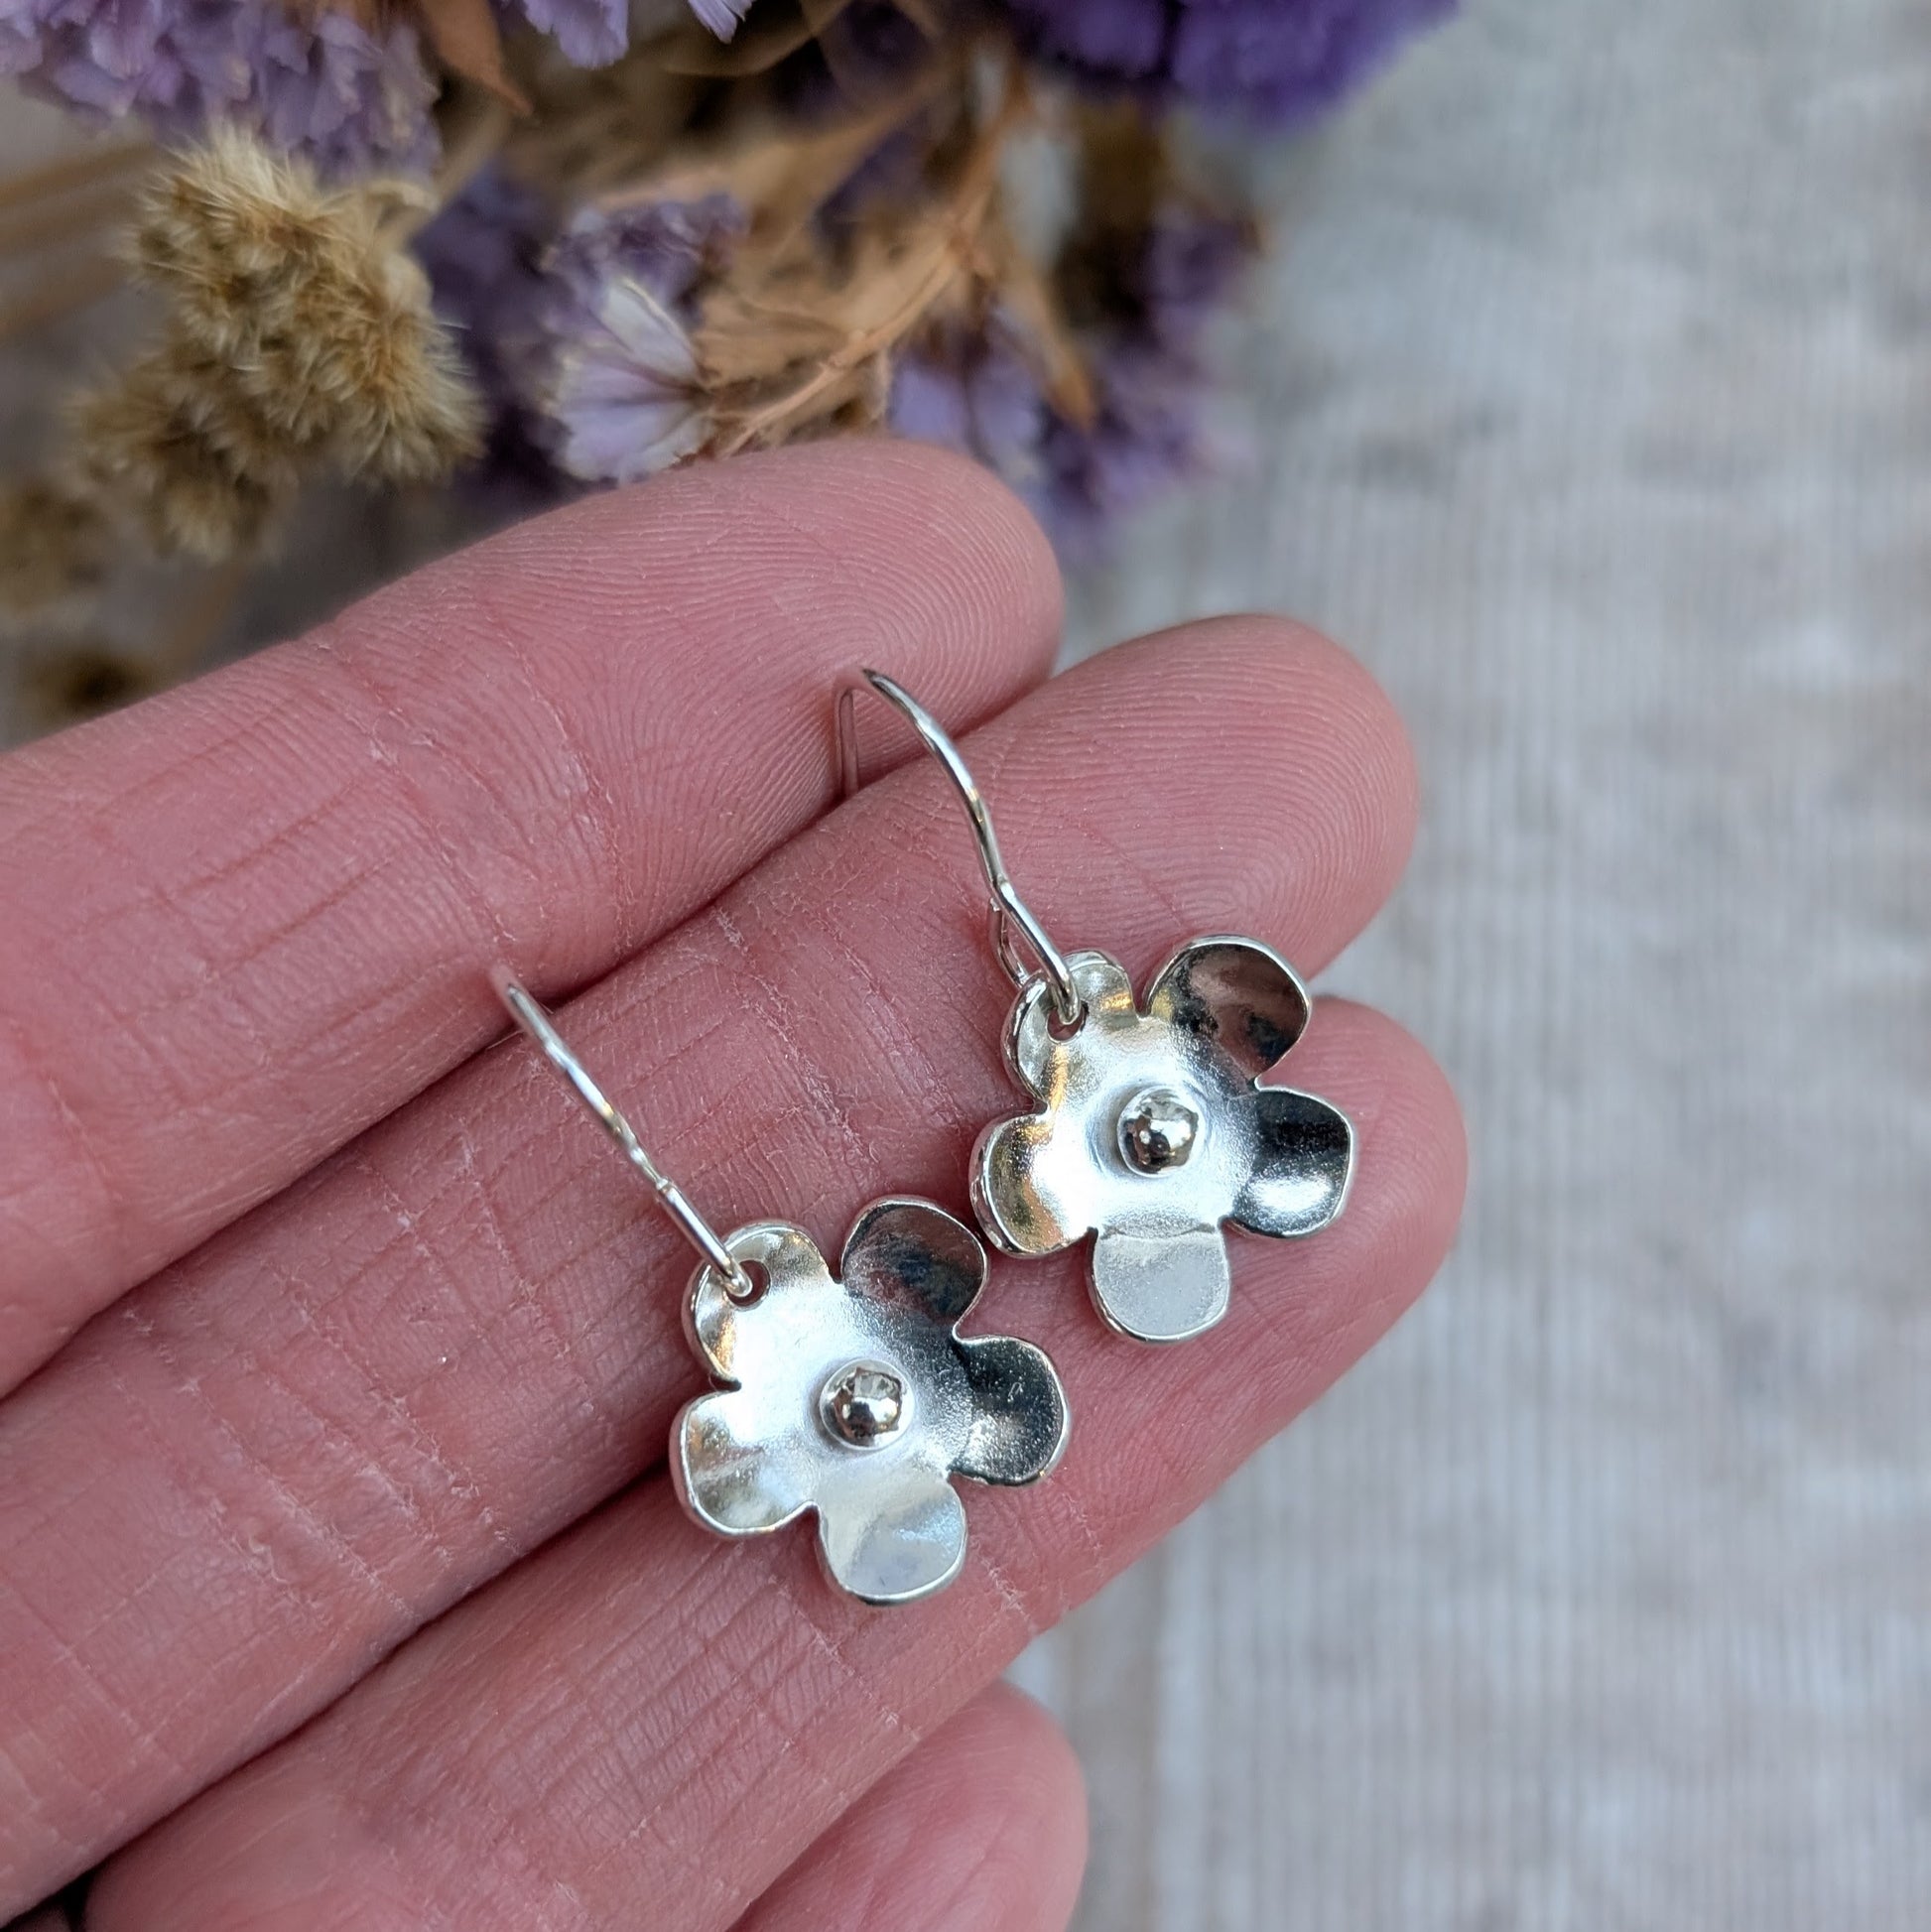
234 234
177 449
306 322
379 375
54 549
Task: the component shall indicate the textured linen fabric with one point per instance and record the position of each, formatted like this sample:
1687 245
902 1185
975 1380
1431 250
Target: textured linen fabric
1592 394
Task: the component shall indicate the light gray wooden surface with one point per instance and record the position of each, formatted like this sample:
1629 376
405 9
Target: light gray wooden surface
1594 408
1590 400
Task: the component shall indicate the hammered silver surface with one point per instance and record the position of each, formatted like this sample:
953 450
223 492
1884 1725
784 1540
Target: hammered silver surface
757 1455
1220 1013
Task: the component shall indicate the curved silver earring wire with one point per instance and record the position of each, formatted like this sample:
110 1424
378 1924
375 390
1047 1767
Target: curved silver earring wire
531 1017
1007 908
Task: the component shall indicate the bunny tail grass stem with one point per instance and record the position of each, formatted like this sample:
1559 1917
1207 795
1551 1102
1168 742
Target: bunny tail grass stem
68 222
91 283
73 172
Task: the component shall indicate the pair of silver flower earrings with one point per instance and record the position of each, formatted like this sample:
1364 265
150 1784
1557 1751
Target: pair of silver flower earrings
854 1396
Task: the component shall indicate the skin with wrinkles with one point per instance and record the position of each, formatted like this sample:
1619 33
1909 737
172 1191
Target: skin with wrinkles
356 1355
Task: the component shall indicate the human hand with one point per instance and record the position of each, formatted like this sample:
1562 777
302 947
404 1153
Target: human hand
341 1356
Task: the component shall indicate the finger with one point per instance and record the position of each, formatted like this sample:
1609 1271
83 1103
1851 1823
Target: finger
638 1671
243 920
983 1828
333 1421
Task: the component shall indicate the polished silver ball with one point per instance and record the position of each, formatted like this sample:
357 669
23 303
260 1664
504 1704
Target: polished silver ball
1158 1130
863 1405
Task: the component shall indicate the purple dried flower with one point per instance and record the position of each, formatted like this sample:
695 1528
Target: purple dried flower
484 257
975 391
1150 382
668 246
931 402
624 385
1188 267
1275 61
626 397
323 84
1108 38
583 343
723 17
862 52
1145 437
972 391
1283 62
336 92
591 33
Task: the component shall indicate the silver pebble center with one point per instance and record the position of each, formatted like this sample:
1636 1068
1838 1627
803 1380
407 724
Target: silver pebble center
1158 1130
862 1406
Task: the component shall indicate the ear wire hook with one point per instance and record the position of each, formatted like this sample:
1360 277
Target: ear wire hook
1007 908
531 1017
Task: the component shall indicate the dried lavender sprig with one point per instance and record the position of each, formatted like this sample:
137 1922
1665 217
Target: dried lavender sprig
979 393
310 80
348 99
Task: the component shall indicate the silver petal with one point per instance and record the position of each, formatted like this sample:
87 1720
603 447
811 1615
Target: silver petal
1238 993
911 1254
904 1546
1019 1415
1023 1201
1034 1052
738 1340
1161 1284
1304 1161
729 1474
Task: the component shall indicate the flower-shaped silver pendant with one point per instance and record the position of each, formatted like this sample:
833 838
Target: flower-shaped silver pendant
1152 1129
858 1399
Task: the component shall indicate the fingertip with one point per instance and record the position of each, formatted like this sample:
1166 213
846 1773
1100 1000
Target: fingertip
1311 789
1326 710
933 561
978 529
1029 1794
1411 1139
1035 1756
934 525
1352 1282
983 1828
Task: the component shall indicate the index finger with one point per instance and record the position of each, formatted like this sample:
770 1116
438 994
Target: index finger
243 919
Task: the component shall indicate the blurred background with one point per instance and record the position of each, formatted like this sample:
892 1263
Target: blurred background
1586 392
1591 394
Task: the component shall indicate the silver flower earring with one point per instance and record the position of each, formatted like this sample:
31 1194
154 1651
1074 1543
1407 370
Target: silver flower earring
852 1397
1149 1127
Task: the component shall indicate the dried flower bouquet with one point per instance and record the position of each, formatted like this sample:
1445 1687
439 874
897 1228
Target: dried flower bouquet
519 247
